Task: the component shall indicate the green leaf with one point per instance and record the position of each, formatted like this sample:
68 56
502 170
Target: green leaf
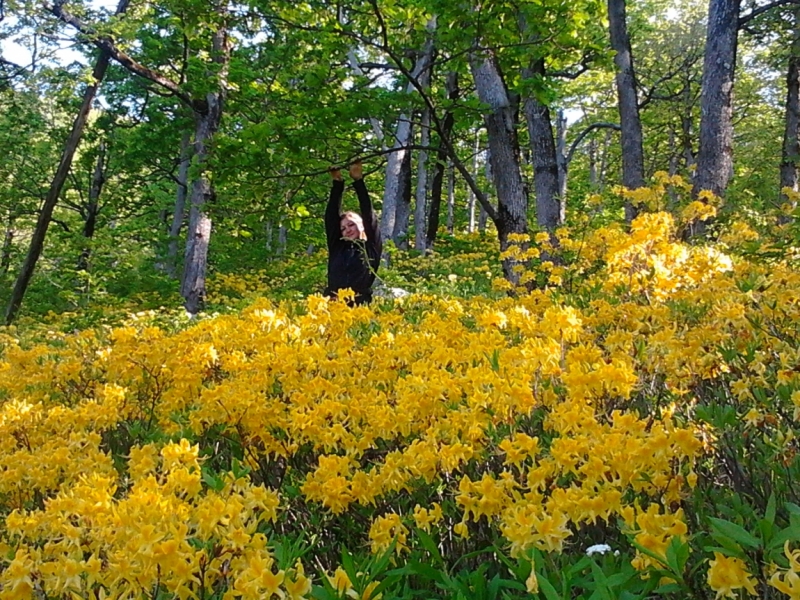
429 545
547 588
734 532
677 555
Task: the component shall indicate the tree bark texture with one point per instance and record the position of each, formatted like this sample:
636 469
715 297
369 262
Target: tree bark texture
562 162
93 207
420 202
501 121
543 155
193 287
628 103
51 199
179 211
8 240
790 157
471 194
403 207
437 185
451 198
715 156
394 191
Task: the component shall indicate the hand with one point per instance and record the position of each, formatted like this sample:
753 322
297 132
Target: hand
356 170
336 174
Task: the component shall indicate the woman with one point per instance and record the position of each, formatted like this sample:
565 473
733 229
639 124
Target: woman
354 241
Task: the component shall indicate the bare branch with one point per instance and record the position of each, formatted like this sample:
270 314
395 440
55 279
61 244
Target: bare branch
584 133
745 19
583 66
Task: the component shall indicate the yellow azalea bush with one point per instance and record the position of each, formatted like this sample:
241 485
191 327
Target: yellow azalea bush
148 461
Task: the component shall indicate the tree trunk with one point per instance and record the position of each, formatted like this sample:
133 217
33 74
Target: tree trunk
283 239
561 159
46 214
193 287
501 123
715 157
543 155
790 157
393 195
8 240
268 236
422 184
471 193
451 198
179 212
93 207
628 103
591 150
403 208
451 84
487 167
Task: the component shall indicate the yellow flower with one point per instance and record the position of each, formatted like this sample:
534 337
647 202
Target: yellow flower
787 582
461 530
340 581
726 574
532 582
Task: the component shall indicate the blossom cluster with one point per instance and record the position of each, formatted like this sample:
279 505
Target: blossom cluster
534 415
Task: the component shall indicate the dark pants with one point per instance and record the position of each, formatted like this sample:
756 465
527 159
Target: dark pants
361 297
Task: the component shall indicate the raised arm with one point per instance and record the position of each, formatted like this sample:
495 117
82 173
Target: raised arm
333 230
365 204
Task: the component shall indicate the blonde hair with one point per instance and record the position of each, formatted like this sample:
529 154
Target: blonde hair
355 218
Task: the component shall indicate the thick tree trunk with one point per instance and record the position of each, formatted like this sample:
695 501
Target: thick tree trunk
93 207
628 103
179 211
451 84
420 206
790 157
46 214
715 157
543 155
193 286
394 191
501 123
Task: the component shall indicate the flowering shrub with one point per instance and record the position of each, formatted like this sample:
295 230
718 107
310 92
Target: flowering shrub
643 395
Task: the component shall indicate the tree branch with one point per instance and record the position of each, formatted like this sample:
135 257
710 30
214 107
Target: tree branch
437 122
584 133
745 19
106 44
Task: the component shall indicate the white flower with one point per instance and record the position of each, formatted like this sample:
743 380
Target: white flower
598 549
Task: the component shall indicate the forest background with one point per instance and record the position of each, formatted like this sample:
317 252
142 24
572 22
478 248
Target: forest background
592 206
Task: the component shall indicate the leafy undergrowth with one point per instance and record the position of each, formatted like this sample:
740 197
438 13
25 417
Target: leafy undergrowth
624 430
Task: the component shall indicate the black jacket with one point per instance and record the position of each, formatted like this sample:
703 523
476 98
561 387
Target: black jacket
352 264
